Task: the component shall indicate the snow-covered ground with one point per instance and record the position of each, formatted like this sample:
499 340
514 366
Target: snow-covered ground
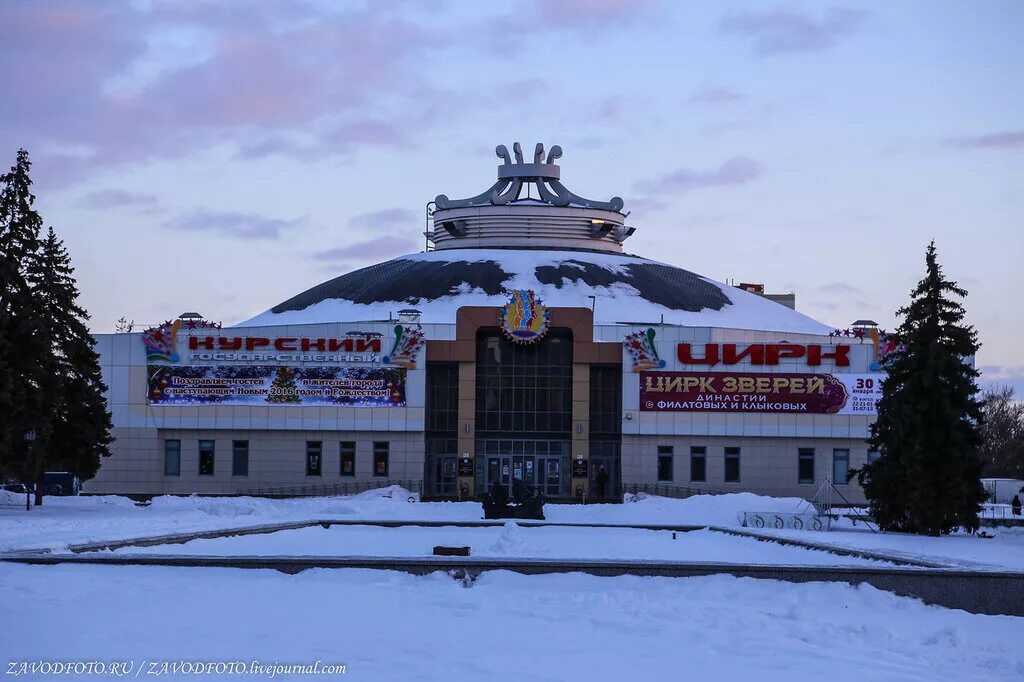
391 626
508 541
386 625
1004 551
71 520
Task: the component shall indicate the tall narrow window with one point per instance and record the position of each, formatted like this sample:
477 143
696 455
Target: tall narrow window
172 458
664 462
239 458
348 458
314 457
805 465
698 464
840 465
732 465
206 450
380 458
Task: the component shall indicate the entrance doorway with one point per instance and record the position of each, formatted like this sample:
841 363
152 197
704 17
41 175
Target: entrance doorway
542 465
605 455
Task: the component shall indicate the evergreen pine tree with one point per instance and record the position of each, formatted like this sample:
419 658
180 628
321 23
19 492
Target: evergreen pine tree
24 357
81 424
7 460
927 431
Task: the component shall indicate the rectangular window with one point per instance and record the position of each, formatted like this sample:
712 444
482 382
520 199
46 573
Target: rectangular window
314 457
873 455
805 465
380 458
840 466
206 449
172 458
698 464
348 458
732 465
664 462
239 458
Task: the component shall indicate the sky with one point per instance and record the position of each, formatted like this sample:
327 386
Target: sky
222 157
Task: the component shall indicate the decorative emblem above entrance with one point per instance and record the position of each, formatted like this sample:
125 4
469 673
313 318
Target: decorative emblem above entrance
640 345
409 339
524 319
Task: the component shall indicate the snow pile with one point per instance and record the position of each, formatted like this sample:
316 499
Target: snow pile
510 542
11 499
699 510
212 506
392 493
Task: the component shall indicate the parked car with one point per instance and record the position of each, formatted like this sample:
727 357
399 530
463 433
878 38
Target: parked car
61 483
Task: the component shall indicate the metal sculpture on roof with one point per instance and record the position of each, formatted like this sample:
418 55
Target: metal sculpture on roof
543 174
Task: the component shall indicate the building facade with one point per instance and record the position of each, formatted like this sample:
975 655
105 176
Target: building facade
525 344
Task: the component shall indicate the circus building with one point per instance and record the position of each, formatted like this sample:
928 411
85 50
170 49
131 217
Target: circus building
524 344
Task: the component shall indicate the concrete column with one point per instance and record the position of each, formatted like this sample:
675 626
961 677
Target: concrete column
467 420
580 421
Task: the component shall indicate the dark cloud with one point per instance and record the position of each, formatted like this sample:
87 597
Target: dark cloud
785 30
1008 139
388 217
714 95
380 248
117 198
736 171
241 225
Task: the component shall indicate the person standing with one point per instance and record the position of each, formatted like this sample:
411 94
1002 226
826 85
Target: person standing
1015 505
602 482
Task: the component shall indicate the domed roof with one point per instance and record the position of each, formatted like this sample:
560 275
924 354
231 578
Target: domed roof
625 289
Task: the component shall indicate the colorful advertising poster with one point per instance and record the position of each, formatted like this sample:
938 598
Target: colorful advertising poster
760 392
276 385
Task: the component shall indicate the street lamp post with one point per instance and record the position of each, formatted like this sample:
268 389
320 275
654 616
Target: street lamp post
30 438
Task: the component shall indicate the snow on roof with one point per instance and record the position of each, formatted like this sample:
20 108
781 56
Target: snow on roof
626 289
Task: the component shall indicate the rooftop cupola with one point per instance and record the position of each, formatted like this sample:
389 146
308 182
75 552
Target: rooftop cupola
529 207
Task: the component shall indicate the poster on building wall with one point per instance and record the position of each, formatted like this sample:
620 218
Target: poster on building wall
276 385
760 392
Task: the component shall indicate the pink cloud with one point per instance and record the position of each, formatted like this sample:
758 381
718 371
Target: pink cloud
569 13
1009 139
736 171
379 248
233 224
268 75
714 95
783 29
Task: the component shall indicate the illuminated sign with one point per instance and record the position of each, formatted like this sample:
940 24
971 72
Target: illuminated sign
763 354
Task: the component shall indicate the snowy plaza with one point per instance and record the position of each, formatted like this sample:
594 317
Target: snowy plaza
389 625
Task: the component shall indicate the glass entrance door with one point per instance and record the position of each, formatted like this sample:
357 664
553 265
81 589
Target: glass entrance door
444 476
542 465
499 470
549 472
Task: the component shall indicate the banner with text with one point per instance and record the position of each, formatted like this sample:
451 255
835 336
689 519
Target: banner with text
276 385
760 392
